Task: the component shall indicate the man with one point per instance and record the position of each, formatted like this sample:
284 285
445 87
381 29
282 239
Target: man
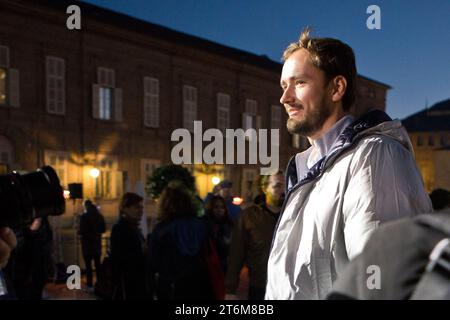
356 174
251 239
92 225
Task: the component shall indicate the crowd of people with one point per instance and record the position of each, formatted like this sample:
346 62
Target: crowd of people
176 258
195 254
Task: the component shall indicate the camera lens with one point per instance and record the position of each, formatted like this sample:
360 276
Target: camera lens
29 196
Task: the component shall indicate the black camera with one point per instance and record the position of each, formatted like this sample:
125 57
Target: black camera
29 196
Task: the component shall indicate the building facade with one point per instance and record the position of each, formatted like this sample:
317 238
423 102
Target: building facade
110 95
429 131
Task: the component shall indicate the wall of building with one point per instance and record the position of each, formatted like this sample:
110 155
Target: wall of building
32 32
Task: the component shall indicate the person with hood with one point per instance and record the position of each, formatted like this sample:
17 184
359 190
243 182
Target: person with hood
357 174
226 192
92 225
128 251
176 248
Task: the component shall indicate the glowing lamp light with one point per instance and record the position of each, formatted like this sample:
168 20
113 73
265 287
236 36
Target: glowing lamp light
66 194
237 201
94 173
215 180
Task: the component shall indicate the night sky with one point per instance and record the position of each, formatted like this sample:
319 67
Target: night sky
411 52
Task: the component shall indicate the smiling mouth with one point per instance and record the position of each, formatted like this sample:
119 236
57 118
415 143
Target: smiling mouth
294 111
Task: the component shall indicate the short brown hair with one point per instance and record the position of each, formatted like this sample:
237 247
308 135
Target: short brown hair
333 57
129 199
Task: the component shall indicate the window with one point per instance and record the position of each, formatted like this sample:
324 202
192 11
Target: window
275 115
109 183
443 140
431 140
106 98
189 107
9 81
223 111
147 168
371 93
106 102
56 96
250 118
58 160
419 141
4 57
4 157
151 102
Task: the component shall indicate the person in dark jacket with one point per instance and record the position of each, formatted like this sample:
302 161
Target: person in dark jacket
92 225
176 247
440 198
220 227
252 237
128 251
31 264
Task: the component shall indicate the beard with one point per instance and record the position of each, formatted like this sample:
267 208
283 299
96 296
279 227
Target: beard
312 122
273 200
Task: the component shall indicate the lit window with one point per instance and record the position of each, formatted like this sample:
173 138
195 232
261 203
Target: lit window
59 161
3 76
107 99
105 103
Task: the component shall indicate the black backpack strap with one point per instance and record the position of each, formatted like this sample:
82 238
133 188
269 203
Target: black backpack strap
435 282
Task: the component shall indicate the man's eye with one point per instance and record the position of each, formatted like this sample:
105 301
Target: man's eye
299 82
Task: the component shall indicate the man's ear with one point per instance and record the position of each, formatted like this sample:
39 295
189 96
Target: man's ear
339 85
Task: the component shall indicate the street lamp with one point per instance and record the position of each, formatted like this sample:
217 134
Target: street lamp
94 173
215 180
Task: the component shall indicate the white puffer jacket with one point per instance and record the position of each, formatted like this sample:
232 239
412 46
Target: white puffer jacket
369 177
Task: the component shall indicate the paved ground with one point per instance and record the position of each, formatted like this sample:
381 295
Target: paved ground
60 291
54 291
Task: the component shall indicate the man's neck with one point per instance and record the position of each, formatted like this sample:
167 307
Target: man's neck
328 124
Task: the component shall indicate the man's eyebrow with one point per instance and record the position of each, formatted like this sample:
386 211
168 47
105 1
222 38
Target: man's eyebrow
296 76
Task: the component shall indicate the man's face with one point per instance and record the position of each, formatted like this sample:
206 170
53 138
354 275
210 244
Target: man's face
305 95
274 190
135 211
225 193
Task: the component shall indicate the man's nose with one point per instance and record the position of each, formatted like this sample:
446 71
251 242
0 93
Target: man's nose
288 96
